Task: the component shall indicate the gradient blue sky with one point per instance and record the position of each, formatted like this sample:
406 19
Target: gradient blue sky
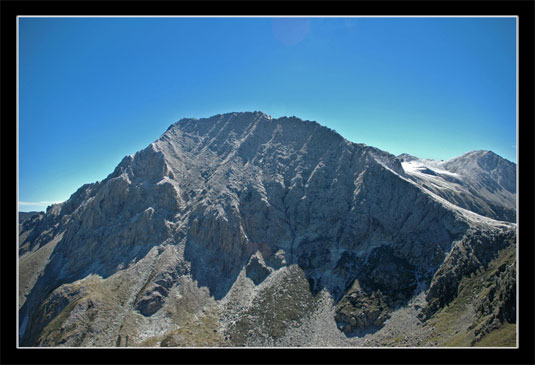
93 90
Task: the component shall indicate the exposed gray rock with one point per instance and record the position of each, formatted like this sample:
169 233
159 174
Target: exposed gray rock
249 209
26 216
256 270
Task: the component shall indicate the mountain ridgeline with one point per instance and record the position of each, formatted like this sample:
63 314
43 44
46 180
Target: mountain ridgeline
245 230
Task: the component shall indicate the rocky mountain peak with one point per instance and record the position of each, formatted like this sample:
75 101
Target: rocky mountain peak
485 166
405 157
220 216
481 159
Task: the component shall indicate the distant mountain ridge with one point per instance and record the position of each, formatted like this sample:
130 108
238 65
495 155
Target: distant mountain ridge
480 181
260 232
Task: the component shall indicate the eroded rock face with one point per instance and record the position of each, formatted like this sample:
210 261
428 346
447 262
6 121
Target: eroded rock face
256 270
361 309
230 201
39 229
498 304
476 250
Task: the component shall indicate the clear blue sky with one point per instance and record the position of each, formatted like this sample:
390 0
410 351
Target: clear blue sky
93 90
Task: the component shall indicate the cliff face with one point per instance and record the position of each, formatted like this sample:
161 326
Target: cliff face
211 223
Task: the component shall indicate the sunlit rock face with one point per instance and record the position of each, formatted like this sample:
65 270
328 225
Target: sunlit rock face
244 230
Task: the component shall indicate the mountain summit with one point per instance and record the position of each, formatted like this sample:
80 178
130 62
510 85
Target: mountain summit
480 181
245 230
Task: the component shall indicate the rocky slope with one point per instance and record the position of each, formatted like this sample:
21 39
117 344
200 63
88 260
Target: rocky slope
479 181
244 230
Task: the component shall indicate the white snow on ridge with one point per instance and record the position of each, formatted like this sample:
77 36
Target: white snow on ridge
424 171
429 172
416 166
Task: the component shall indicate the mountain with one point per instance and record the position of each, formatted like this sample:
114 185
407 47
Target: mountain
245 230
479 181
24 216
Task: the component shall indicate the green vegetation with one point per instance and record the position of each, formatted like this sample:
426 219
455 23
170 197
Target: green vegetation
31 265
53 332
141 291
395 341
502 337
95 298
203 332
455 325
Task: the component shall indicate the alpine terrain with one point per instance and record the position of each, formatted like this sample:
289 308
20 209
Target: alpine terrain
244 230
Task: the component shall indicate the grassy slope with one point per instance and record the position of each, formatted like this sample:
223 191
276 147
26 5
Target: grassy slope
31 265
454 325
